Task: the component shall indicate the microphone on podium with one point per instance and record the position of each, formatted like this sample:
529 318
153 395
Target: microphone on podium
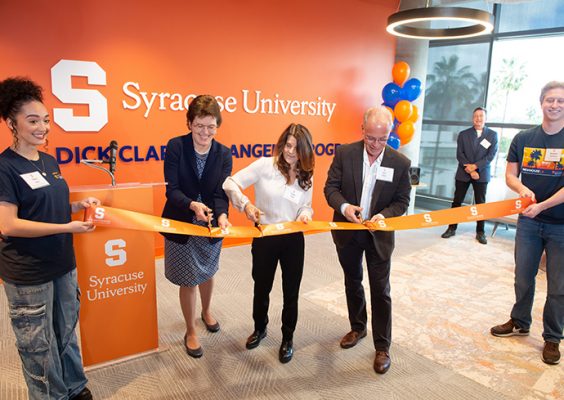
113 156
111 160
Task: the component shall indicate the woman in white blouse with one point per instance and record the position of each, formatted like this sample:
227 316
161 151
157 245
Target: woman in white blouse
283 192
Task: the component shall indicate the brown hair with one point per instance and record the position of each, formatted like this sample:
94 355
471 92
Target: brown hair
204 106
304 149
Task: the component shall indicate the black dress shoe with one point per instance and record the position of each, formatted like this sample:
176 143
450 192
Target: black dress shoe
84 394
195 353
481 237
352 338
255 339
449 233
286 351
382 362
211 328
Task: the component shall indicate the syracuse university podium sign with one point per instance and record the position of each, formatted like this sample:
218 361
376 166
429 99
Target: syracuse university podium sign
116 275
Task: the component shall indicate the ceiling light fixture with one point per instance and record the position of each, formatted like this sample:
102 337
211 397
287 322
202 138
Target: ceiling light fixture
402 23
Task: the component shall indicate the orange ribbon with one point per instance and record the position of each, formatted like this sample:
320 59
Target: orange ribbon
124 219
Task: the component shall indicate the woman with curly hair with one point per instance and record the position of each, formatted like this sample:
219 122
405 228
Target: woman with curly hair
37 260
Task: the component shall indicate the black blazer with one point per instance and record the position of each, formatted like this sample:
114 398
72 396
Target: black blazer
183 185
344 185
470 151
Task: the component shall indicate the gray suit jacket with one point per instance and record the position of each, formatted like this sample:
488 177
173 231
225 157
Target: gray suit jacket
344 185
470 151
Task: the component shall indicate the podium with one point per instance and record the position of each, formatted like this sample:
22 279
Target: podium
116 276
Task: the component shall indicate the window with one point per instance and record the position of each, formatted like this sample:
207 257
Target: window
505 136
531 15
456 81
437 159
508 68
517 77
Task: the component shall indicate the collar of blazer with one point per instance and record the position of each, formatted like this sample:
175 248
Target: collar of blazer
388 160
485 131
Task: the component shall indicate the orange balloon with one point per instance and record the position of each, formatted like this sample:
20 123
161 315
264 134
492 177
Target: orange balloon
405 132
414 114
403 110
400 72
391 111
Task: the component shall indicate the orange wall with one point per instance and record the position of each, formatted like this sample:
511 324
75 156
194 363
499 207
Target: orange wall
330 50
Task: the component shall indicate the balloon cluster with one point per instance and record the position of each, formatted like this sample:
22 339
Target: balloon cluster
397 96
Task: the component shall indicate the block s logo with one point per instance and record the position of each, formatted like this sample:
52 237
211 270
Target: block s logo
115 250
61 82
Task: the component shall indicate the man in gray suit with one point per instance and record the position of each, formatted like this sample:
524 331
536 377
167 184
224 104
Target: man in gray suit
476 148
368 180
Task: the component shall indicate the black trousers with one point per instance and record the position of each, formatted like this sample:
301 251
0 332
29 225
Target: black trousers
350 258
267 252
479 197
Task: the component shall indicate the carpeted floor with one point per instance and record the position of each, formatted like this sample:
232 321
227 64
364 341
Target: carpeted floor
446 293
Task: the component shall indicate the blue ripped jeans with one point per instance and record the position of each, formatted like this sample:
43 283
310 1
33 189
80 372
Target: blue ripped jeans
44 318
532 238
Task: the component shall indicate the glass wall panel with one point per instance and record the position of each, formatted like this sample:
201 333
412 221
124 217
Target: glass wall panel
437 160
505 136
456 84
517 77
539 14
456 81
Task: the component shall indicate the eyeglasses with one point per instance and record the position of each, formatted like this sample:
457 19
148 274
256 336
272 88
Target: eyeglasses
372 139
201 127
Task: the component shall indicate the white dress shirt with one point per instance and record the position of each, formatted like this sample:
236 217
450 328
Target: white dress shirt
369 174
278 201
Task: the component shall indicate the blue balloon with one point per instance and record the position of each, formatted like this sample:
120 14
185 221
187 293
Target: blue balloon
394 141
391 94
411 89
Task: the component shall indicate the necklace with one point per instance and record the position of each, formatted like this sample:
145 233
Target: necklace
42 170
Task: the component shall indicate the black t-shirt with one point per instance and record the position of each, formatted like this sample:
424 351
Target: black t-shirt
32 261
540 157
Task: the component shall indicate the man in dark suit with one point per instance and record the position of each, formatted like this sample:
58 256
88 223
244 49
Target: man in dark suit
368 181
476 148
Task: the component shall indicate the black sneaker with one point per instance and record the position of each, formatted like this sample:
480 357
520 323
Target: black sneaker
481 237
508 329
551 353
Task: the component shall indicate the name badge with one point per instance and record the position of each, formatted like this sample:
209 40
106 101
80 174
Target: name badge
485 144
34 180
553 155
292 194
385 174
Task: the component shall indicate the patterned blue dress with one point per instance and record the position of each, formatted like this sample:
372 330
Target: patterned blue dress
196 261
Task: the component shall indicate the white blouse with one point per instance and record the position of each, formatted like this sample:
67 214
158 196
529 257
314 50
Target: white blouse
278 201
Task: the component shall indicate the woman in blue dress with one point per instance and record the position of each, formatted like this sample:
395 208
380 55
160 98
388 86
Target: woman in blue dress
195 167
